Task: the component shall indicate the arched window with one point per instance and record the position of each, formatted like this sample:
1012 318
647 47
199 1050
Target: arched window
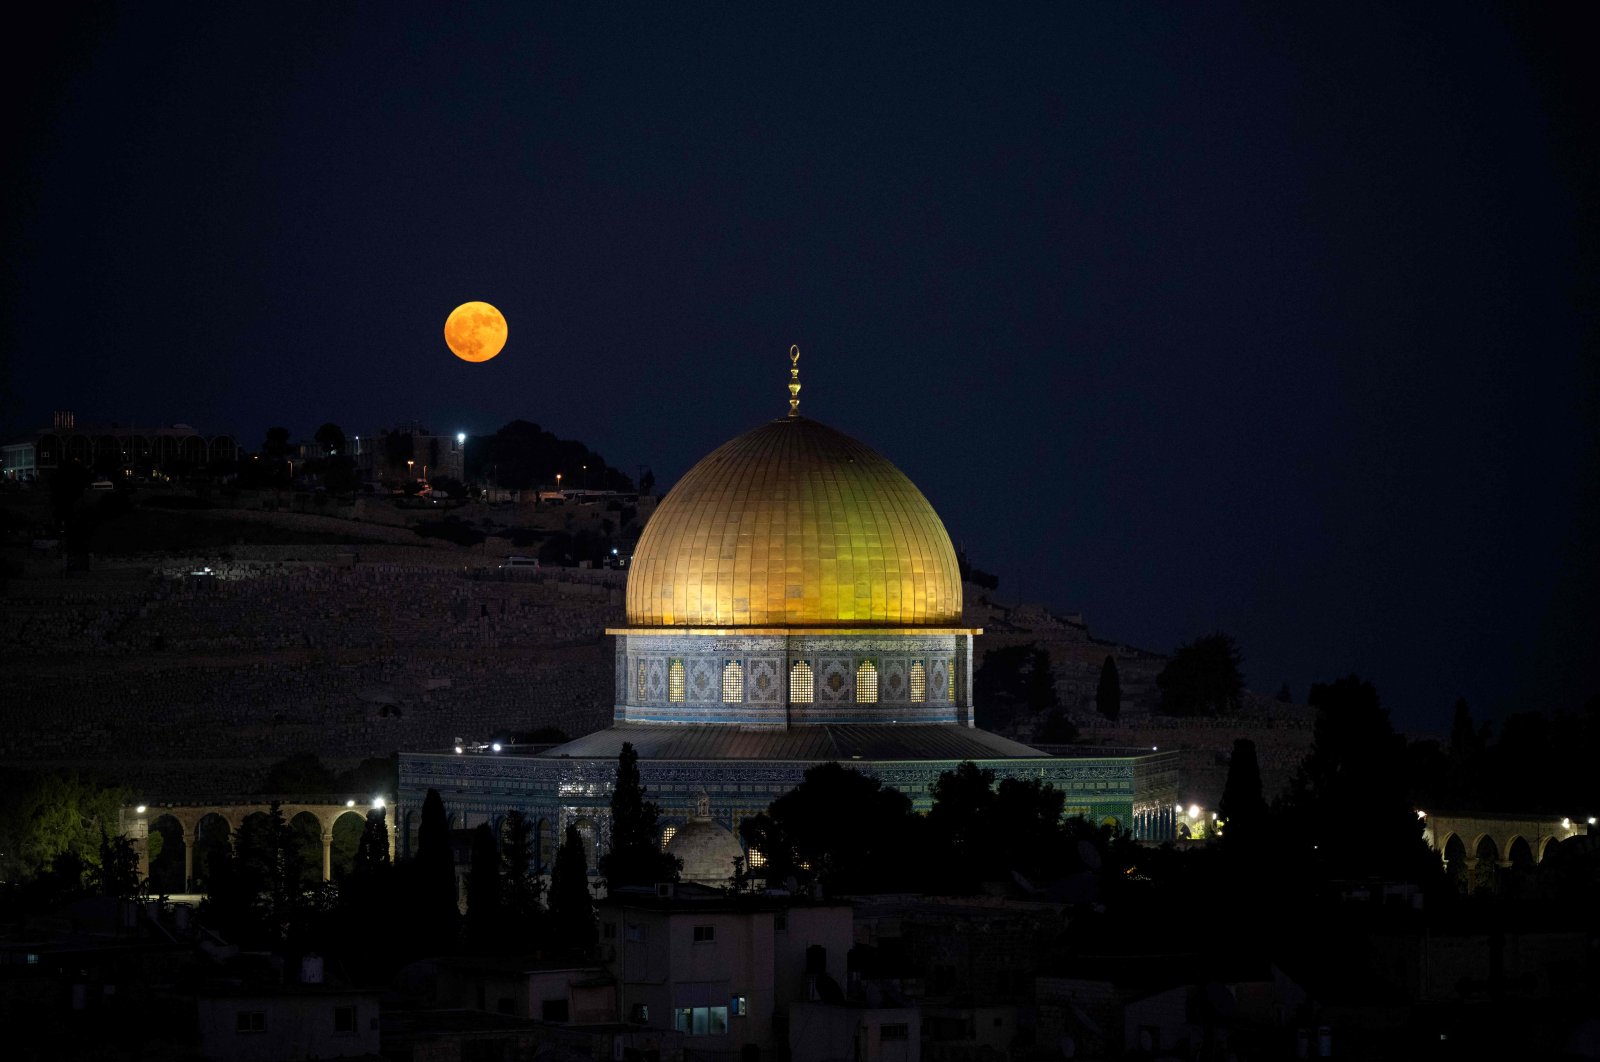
732 682
676 692
867 683
955 696
919 682
800 688
755 858
639 683
667 834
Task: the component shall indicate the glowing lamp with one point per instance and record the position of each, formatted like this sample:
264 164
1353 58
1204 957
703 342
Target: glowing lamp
377 803
139 809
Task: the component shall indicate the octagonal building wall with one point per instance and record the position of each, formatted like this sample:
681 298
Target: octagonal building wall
759 680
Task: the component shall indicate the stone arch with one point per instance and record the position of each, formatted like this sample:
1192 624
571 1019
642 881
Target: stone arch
165 845
1519 853
1487 854
1544 847
344 838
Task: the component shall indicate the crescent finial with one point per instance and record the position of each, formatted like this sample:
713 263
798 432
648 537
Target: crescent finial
794 380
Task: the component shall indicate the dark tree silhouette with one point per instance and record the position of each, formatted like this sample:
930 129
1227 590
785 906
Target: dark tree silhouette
485 909
571 907
1284 696
1244 808
1203 677
436 905
635 857
1012 681
1108 693
372 851
843 829
330 439
1349 796
521 887
276 444
118 872
302 774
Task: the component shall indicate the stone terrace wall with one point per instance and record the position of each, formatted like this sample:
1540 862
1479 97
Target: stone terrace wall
163 676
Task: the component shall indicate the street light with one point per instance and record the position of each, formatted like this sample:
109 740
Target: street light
410 463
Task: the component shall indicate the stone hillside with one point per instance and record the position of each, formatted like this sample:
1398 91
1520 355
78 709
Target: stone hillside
1282 732
185 684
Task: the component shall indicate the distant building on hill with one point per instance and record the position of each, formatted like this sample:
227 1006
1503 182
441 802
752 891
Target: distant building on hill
408 452
115 450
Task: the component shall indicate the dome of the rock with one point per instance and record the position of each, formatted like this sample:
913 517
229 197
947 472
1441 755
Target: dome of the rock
794 524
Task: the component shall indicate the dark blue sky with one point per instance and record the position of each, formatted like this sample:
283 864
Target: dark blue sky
1189 318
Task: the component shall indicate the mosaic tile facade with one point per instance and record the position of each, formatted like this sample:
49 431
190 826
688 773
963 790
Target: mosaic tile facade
767 660
1137 792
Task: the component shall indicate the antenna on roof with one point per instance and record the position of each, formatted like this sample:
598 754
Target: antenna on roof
794 380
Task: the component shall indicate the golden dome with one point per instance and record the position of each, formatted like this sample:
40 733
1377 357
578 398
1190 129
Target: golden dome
794 525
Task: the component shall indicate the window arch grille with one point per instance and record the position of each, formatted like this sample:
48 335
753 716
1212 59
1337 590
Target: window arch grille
801 688
867 683
955 695
919 682
677 690
639 683
732 682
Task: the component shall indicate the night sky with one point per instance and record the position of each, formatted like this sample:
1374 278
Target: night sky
1279 322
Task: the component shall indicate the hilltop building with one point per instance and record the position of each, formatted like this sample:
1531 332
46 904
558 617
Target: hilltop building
794 600
112 450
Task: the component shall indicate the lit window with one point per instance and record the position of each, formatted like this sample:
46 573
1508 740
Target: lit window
800 689
705 934
667 835
756 858
639 682
867 683
739 1006
732 682
919 682
701 1021
675 684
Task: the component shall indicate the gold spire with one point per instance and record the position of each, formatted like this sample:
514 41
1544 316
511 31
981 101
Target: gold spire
794 380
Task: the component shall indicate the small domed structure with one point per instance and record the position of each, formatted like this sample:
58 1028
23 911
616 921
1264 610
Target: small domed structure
708 850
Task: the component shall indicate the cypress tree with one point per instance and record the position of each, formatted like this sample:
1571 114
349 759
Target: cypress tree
437 908
1108 694
485 911
635 857
1244 808
521 887
571 906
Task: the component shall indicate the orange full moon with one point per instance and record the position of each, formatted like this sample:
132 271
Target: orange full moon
475 331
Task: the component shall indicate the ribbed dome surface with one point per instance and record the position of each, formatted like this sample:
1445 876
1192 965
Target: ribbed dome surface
794 524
